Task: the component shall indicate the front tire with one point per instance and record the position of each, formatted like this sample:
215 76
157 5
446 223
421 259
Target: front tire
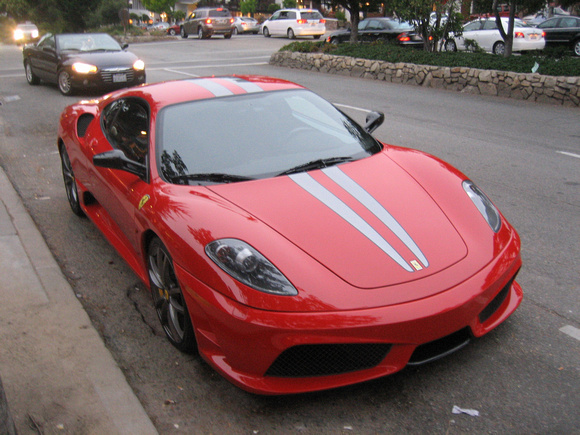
183 33
168 298
172 32
236 31
31 78
266 32
499 48
227 35
70 183
65 83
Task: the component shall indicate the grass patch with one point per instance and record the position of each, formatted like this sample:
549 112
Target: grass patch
551 62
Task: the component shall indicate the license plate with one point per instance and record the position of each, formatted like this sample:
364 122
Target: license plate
534 36
119 78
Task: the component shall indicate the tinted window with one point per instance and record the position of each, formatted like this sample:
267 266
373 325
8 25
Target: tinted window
490 25
548 23
287 129
475 25
568 22
126 126
314 15
219 13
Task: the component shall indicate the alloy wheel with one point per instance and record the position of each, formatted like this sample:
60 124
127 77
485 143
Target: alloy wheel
168 298
70 183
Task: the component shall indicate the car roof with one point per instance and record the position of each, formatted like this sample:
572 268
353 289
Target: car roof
162 94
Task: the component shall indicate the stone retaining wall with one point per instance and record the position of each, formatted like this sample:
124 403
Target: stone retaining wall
534 87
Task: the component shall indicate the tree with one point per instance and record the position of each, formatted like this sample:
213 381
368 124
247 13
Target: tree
432 30
248 7
289 4
159 6
355 8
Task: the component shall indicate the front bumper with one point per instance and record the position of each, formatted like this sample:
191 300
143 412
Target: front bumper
267 352
112 78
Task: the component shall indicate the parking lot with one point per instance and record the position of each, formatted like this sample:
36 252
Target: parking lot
522 377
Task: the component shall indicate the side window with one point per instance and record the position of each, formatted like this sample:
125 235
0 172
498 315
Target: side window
490 25
476 25
126 126
291 15
567 22
47 41
275 16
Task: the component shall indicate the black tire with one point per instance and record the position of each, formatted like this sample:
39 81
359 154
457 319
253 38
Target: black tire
576 47
335 41
200 34
183 33
65 82
266 32
291 34
499 48
31 78
172 32
316 36
236 31
70 183
227 35
168 298
450 45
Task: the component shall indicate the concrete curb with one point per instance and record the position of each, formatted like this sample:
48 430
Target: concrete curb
58 375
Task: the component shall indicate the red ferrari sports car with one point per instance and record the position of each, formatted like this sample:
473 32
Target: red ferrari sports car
308 257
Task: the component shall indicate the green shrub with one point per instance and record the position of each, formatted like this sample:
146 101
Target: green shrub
550 63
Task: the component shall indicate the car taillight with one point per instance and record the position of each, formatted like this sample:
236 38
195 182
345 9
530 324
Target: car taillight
302 21
519 35
543 34
322 21
403 37
208 21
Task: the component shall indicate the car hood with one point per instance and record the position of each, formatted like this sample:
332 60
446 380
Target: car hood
102 59
369 222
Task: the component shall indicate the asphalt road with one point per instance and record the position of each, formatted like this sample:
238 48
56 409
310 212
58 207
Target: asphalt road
524 377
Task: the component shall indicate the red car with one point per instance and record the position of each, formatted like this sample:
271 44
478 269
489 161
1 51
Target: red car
310 257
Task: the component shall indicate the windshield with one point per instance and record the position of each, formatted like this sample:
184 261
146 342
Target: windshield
255 136
87 42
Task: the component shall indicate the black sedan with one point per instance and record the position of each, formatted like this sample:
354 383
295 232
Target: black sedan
82 61
380 29
563 31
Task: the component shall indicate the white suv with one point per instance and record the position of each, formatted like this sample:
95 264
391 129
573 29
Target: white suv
295 22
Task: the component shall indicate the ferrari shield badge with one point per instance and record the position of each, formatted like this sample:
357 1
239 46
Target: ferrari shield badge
143 201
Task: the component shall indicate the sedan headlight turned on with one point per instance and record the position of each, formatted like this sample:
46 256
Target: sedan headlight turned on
311 257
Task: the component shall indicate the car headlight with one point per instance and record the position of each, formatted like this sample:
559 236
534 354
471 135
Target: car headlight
483 204
139 65
84 68
18 35
35 34
244 263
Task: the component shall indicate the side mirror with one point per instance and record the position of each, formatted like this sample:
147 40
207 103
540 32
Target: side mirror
124 46
374 120
117 159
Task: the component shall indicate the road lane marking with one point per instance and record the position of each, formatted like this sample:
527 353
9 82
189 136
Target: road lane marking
180 72
211 66
571 331
569 154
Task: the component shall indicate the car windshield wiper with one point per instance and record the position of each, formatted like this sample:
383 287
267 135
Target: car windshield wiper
317 164
211 177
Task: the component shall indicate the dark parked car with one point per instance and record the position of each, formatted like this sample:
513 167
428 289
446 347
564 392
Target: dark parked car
380 29
562 31
82 61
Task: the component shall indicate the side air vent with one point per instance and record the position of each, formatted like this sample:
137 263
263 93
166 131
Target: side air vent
83 123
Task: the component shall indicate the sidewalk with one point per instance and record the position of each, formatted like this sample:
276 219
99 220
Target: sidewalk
57 374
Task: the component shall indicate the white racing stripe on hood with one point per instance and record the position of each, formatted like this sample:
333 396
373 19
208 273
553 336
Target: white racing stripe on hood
314 188
375 207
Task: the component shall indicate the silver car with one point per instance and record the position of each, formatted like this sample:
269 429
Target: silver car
246 25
